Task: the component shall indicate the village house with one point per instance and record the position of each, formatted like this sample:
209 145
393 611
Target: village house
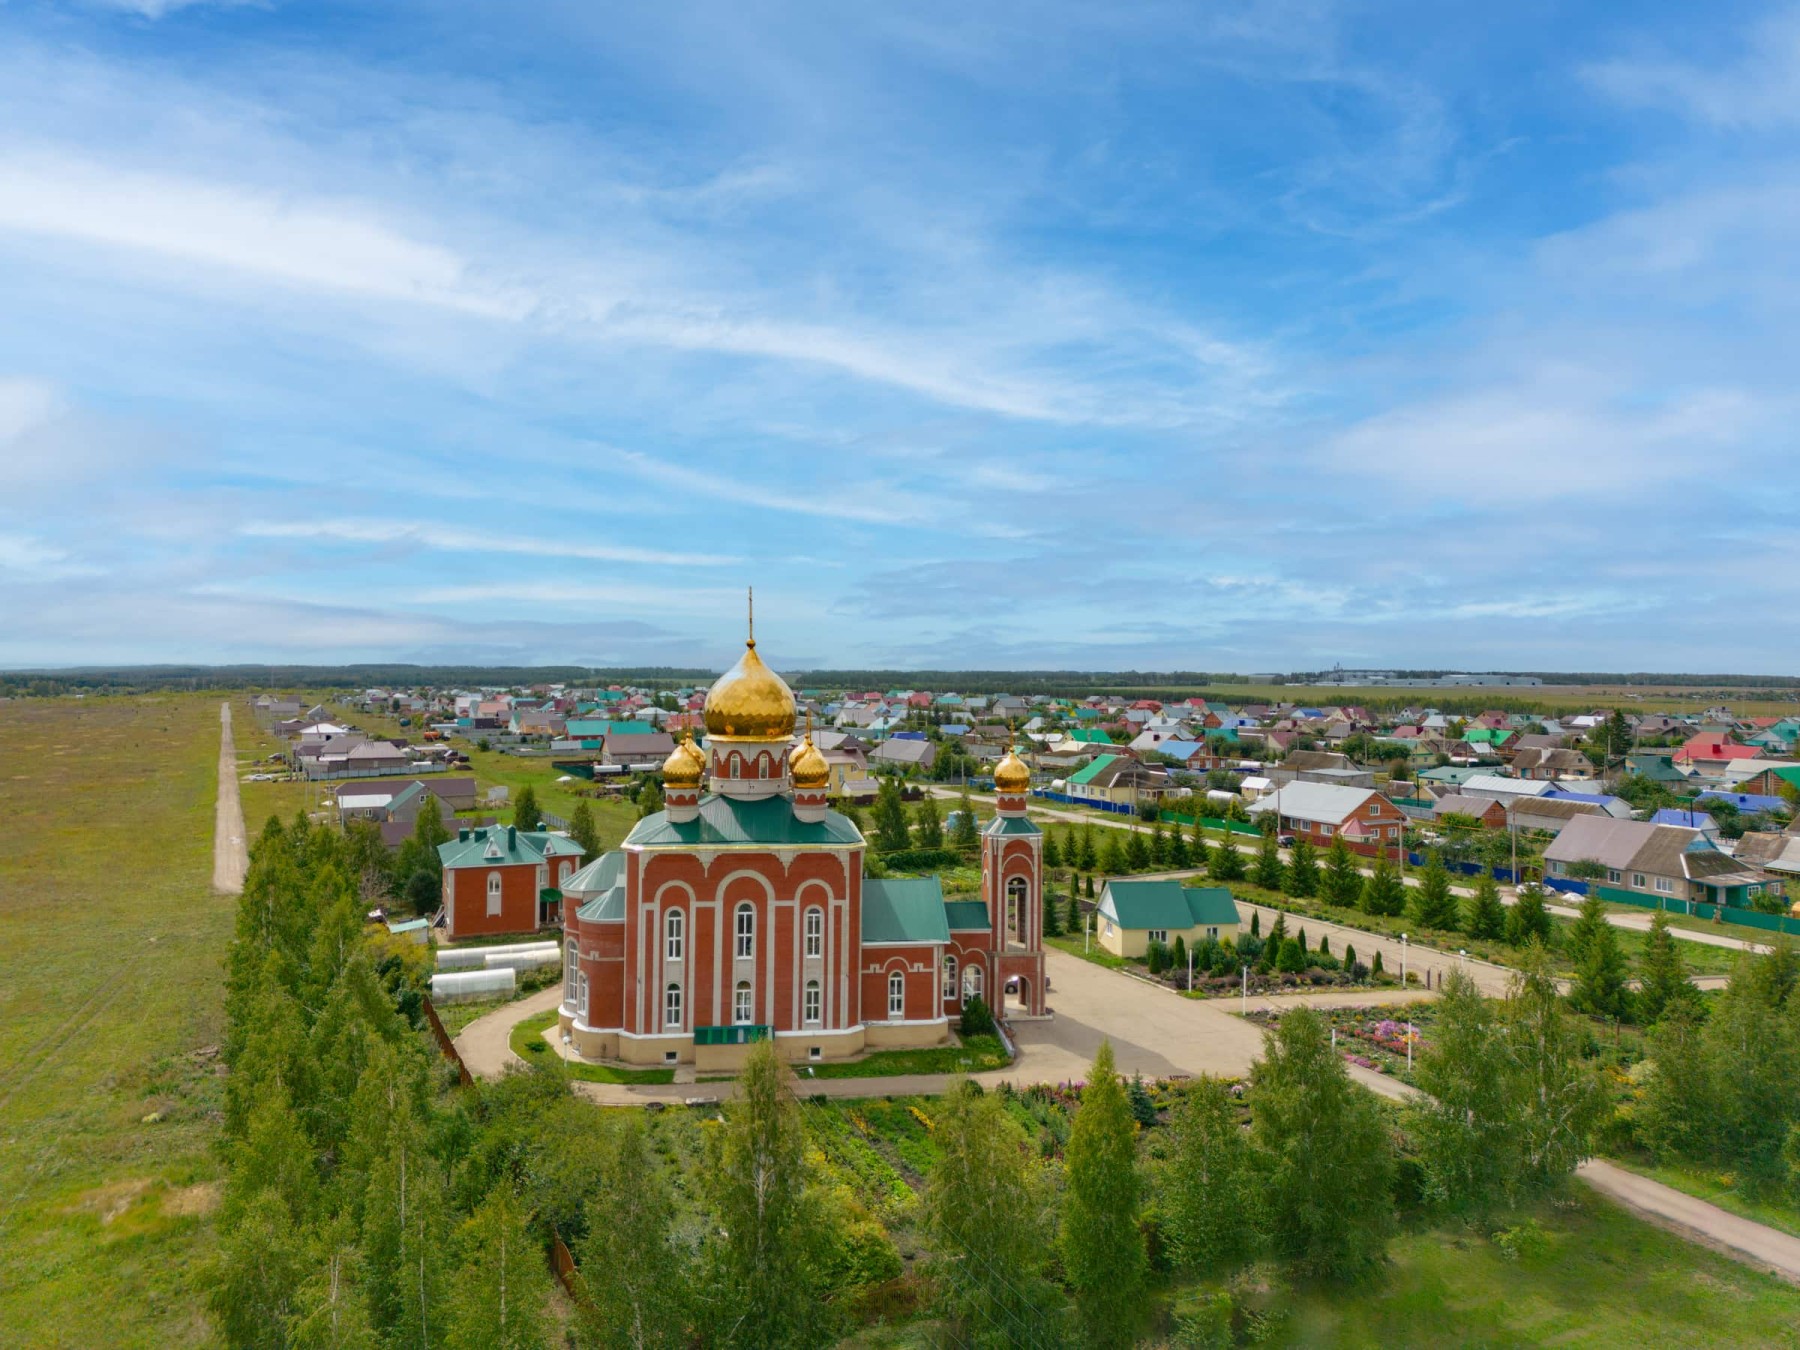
500 879
1118 780
1665 861
1319 812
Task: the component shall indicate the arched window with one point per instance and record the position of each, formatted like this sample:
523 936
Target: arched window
570 973
1016 891
897 995
813 1002
743 1004
949 976
493 893
581 997
673 926
672 1008
815 932
971 982
746 930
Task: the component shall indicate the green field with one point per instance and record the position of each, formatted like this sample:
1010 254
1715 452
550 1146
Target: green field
110 1009
1600 1278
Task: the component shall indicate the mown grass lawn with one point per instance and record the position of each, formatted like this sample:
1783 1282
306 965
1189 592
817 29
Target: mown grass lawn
977 1054
1601 1278
111 994
528 1043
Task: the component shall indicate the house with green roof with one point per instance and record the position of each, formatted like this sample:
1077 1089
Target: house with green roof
1133 914
501 879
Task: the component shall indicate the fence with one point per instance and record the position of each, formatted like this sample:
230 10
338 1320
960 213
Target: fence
1211 823
1461 868
1115 808
447 1045
1747 918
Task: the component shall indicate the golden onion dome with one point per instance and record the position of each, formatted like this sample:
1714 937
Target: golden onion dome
808 766
1010 774
684 766
750 702
691 748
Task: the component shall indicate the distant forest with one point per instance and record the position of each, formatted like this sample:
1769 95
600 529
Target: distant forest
1144 684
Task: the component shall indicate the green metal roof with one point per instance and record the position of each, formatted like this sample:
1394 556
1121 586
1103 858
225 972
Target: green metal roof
509 846
1168 905
728 820
594 728
1090 736
966 916
1010 825
903 909
1086 775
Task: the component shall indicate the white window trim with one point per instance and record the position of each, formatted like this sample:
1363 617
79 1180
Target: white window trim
813 1003
950 977
1159 935
814 923
743 1004
493 894
674 935
896 996
744 940
672 1006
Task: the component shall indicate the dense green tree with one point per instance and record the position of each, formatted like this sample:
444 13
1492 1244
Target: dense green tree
331 1310
1206 1189
526 814
1178 954
637 1277
1433 905
1325 1165
1342 880
1382 891
986 1215
1599 964
1566 1103
403 1238
772 1236
1137 850
1052 852
1159 845
1485 916
650 798
257 1280
497 1296
1075 914
928 825
584 831
967 834
1102 1245
1270 873
1302 870
1087 856
1528 920
1468 1125
1112 858
891 832
1226 863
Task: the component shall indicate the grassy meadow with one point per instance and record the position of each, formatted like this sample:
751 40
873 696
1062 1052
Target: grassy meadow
110 1009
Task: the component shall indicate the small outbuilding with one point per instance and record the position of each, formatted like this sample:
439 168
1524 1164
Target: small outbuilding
1133 914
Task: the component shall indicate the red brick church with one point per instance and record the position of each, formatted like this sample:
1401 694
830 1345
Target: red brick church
741 911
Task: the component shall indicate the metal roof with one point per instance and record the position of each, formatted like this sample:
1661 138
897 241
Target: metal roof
729 820
903 909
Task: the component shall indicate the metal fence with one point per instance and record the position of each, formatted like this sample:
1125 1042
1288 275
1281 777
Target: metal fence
1748 918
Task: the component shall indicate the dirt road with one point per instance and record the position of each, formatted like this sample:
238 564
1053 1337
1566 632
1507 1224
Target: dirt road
231 852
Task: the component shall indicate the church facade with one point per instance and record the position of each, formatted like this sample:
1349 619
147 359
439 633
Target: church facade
740 911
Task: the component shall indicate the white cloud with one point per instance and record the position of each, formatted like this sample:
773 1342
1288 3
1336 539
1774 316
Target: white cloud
1760 90
25 405
455 539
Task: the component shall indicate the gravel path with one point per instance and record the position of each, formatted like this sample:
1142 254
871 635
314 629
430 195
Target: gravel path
231 852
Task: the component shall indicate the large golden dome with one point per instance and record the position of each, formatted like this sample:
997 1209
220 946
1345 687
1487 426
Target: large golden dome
807 766
685 765
750 702
1010 774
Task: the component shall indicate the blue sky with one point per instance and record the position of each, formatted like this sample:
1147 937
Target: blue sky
1230 337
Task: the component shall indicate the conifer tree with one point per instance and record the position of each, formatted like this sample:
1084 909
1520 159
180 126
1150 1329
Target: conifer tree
1599 964
1433 904
1159 845
1382 892
928 825
1226 863
1052 851
967 834
1075 916
1102 1246
1342 880
1137 850
1112 857
1089 856
1663 978
1179 856
1486 916
1270 873
1302 870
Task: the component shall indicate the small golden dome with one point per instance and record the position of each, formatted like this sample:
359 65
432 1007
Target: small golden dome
684 766
808 766
692 748
1010 774
750 702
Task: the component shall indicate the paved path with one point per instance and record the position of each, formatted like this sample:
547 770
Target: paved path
231 854
1748 1241
484 1043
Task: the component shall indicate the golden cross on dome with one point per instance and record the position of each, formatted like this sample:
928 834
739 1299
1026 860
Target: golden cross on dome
750 603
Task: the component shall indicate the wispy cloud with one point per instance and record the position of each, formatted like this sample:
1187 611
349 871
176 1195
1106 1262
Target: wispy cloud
539 542
1757 89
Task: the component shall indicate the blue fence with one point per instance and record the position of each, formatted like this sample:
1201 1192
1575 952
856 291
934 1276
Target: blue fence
1503 875
1114 807
1745 918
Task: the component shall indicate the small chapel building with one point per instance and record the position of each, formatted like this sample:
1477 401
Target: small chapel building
740 911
